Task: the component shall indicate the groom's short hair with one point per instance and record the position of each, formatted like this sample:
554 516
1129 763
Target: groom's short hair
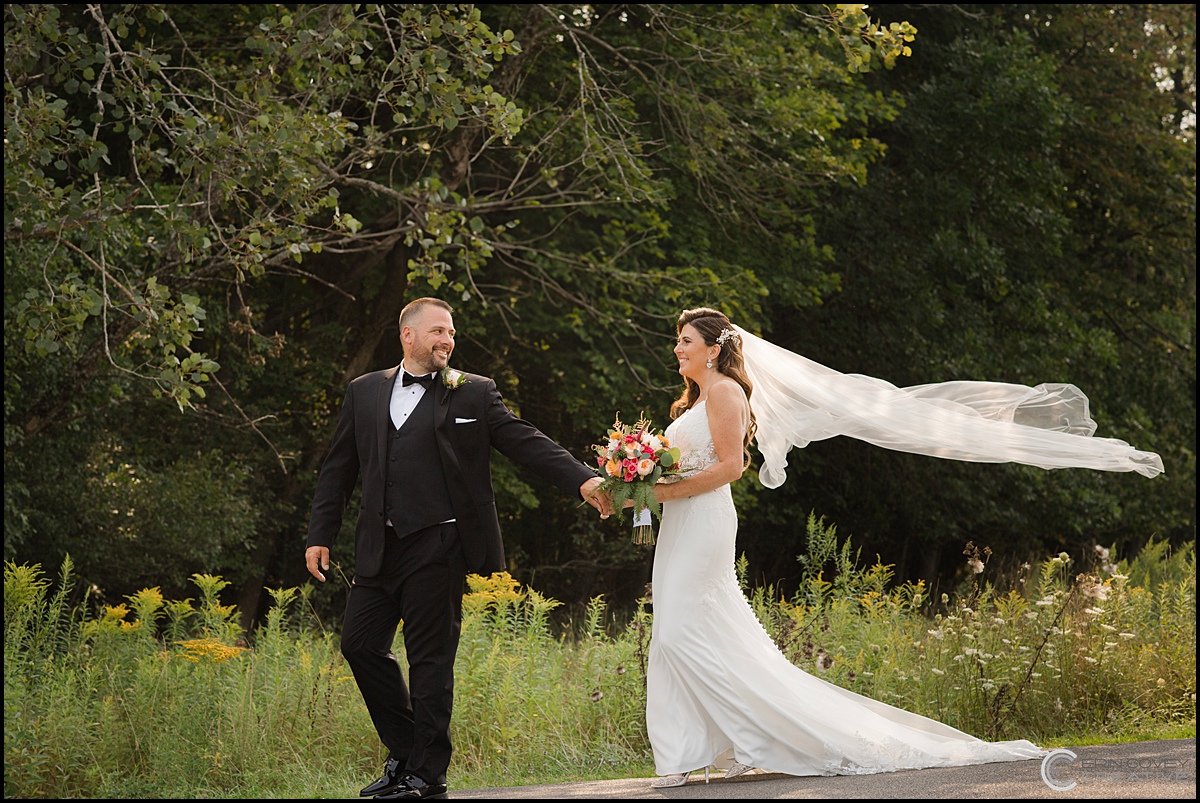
413 308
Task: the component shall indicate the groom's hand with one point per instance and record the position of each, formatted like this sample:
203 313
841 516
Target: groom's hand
316 556
599 501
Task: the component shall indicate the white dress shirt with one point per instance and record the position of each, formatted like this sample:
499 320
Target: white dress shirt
404 398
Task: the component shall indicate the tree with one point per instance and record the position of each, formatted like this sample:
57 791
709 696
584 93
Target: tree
1032 221
225 207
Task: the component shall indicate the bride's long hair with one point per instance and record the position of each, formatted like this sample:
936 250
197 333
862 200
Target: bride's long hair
710 323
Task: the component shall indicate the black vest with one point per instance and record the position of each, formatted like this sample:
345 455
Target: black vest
415 495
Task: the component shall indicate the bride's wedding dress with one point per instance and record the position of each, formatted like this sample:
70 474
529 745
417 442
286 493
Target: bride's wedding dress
720 691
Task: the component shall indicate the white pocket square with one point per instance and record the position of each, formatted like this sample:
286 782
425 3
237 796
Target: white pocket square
465 420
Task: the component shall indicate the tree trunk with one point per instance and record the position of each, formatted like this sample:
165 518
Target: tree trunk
383 320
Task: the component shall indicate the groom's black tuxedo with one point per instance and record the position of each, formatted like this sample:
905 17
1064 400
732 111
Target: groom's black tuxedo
431 479
467 423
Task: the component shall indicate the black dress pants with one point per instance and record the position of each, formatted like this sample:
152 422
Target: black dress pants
420 584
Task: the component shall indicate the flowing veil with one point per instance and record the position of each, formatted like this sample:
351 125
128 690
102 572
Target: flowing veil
797 401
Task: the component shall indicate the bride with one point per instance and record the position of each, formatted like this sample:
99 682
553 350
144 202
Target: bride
719 692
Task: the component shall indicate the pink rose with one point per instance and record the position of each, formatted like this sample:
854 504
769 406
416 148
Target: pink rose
629 466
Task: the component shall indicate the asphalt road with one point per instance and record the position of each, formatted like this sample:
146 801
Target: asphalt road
1161 769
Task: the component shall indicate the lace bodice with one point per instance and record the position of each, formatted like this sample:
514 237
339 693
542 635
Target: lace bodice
691 434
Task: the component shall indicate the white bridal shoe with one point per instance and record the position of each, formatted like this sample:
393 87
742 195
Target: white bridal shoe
676 779
737 769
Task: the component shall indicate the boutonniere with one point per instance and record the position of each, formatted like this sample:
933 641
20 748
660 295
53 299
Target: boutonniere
453 380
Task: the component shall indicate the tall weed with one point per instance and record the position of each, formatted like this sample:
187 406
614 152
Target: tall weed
169 698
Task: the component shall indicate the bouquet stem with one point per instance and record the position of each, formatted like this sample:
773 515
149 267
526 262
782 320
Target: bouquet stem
643 530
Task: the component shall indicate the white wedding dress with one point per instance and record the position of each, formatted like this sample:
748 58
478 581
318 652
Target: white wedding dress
719 690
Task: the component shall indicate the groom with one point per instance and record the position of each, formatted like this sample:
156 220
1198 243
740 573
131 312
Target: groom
420 436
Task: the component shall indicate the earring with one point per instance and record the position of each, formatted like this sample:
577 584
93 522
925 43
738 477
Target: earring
709 364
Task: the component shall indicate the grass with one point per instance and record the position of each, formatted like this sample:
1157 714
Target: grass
168 698
1148 732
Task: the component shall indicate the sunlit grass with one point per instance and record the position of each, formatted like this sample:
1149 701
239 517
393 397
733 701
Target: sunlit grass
168 698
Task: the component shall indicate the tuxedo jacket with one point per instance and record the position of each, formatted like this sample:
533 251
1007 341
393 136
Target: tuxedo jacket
469 421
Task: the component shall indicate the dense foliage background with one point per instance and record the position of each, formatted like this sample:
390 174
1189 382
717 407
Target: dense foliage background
214 213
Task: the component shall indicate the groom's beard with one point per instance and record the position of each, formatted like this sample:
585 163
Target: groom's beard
432 360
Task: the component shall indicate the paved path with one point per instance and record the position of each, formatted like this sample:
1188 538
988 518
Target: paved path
1161 769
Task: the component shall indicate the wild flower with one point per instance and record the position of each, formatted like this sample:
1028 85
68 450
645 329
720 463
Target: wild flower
208 649
825 662
1092 587
976 557
499 588
115 613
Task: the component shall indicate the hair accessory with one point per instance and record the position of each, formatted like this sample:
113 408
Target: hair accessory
726 335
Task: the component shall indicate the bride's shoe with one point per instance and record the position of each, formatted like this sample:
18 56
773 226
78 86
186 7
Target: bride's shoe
677 779
737 769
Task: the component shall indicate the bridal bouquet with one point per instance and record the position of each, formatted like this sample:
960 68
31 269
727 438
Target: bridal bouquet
631 460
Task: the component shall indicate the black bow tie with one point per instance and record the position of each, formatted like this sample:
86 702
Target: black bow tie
426 380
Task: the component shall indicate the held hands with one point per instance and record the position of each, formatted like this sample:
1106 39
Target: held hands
601 502
315 555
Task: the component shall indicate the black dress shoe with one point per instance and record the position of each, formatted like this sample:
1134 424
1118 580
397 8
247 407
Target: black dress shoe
391 780
413 788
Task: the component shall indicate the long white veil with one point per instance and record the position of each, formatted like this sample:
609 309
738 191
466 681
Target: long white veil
797 401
